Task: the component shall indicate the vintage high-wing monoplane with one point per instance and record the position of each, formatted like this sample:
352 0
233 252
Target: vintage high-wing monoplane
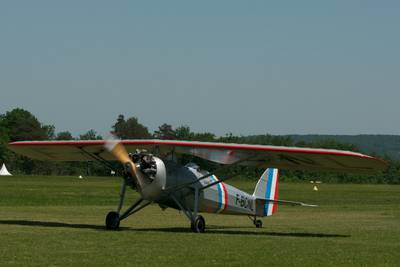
151 167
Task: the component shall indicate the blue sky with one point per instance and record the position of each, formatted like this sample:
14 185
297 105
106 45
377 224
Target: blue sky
246 67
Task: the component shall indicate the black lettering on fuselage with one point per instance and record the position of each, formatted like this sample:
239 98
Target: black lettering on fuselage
243 202
237 199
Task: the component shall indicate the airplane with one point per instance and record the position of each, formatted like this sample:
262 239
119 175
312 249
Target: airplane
152 168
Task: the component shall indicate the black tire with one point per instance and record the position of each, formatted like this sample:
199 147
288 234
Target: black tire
258 224
112 221
199 225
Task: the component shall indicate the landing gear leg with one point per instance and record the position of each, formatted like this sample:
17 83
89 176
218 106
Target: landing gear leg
113 218
198 225
258 223
197 222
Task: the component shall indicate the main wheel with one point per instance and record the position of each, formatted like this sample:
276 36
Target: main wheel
258 223
199 225
112 221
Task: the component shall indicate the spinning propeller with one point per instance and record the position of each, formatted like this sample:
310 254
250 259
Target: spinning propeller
119 152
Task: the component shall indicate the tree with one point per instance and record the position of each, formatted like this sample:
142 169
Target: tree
230 138
333 144
119 128
165 132
50 131
4 153
204 137
183 133
130 128
66 135
22 125
90 135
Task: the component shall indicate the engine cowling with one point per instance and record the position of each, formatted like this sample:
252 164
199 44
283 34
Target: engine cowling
152 173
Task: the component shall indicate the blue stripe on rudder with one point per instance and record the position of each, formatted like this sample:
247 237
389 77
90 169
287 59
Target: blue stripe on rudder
268 189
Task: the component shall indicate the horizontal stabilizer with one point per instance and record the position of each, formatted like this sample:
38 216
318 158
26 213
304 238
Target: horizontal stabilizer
288 202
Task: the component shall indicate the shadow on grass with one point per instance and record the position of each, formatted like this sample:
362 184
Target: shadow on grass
52 224
210 230
226 231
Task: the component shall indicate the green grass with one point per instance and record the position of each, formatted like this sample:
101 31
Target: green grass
59 221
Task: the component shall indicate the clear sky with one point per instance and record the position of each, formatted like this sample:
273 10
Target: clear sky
246 67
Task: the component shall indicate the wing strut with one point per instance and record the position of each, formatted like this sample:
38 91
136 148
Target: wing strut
98 158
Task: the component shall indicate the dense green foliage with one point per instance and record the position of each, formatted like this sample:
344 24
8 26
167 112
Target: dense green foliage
59 221
130 128
372 144
19 124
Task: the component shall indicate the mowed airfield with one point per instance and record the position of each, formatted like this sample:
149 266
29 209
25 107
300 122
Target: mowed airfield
60 221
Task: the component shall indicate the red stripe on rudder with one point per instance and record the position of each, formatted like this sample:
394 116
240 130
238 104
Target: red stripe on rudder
276 193
226 196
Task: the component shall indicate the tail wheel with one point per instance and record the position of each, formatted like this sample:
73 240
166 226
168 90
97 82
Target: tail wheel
258 223
199 225
112 221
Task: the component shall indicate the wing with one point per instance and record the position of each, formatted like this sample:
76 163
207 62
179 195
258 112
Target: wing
255 155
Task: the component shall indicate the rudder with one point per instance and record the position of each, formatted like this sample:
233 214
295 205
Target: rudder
267 189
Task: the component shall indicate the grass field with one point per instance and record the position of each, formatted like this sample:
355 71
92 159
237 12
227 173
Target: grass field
59 221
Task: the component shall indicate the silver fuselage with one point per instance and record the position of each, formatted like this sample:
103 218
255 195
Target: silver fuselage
218 198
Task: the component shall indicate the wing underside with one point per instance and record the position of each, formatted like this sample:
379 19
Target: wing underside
222 153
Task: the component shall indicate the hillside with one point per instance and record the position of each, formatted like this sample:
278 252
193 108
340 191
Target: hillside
371 144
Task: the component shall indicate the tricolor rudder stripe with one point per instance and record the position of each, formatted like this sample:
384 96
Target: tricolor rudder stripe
271 191
222 195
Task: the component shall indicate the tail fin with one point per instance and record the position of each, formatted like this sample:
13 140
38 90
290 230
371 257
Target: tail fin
267 189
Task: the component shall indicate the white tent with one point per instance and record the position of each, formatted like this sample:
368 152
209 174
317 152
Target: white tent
4 171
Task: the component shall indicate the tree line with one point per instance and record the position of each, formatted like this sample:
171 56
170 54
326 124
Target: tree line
21 125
